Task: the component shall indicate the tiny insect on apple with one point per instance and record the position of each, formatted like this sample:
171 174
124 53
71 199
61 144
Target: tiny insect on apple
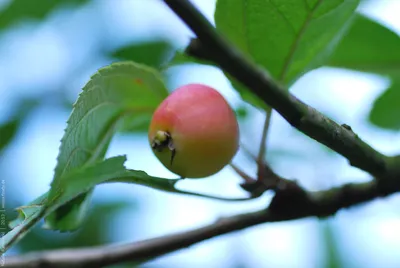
194 132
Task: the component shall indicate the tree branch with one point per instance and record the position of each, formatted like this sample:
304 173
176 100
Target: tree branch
301 116
288 204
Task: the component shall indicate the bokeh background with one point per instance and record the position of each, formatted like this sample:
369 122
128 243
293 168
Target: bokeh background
48 51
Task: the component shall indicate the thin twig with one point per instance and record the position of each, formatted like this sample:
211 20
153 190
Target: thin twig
242 174
214 197
247 151
263 143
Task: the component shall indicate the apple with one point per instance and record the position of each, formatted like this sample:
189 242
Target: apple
194 132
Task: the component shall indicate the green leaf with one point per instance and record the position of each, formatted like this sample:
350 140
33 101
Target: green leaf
95 231
80 180
368 46
386 110
70 216
72 185
17 233
27 217
8 131
182 58
371 47
151 53
28 9
110 170
286 37
27 211
117 94
331 245
241 112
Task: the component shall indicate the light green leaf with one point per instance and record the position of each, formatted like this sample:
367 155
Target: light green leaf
83 179
72 185
17 233
78 181
27 211
69 187
28 216
111 170
386 110
368 46
286 37
117 94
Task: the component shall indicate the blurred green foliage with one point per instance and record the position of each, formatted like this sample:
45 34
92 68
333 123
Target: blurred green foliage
153 54
9 128
386 110
96 230
7 132
333 258
371 47
17 10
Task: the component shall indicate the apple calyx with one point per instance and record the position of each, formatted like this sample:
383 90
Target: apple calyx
163 140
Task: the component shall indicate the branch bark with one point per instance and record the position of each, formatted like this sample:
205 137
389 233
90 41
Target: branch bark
288 204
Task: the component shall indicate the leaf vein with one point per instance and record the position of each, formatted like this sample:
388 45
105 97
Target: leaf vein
296 42
72 127
283 16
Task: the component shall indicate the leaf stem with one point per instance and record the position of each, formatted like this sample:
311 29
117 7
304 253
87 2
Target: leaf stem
241 173
219 198
263 147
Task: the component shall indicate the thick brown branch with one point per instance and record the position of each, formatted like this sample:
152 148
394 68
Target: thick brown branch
299 115
290 203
